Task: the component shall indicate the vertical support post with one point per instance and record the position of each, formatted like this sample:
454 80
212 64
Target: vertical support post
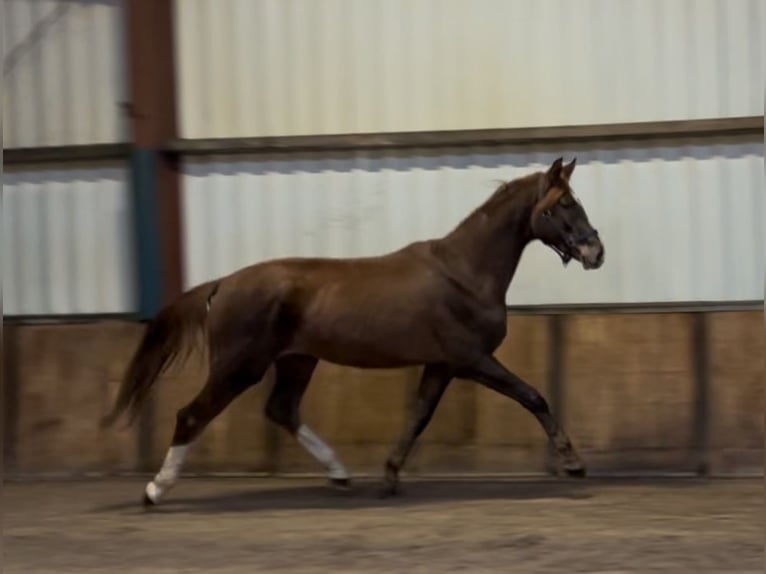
156 182
701 392
155 173
147 225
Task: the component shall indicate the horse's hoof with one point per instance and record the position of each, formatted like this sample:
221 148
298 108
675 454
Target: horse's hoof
148 502
389 489
343 484
576 472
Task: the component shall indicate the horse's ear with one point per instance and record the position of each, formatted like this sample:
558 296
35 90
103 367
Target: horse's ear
551 176
567 170
555 170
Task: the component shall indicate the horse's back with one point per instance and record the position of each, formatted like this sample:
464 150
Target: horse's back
354 311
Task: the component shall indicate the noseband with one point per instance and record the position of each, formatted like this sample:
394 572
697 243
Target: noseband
570 239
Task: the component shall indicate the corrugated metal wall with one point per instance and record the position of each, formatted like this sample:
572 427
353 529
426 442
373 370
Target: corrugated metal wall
67 241
63 72
67 229
280 67
286 67
680 223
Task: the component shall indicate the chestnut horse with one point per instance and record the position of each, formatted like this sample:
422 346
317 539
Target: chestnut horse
439 303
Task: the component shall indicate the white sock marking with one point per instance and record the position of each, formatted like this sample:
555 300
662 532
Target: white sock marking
321 451
168 474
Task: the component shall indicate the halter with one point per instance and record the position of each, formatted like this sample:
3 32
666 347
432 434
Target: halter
570 239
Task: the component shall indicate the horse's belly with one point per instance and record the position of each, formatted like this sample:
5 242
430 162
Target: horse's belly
368 343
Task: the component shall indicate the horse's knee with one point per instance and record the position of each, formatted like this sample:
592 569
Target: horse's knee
536 403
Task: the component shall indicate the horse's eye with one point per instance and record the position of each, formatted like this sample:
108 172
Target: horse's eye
547 213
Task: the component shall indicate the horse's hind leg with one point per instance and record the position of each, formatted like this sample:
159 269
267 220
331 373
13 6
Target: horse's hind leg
226 381
433 383
293 374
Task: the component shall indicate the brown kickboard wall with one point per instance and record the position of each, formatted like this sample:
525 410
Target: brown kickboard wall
628 396
629 390
737 341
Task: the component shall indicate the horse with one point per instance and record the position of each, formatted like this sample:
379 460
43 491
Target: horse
438 303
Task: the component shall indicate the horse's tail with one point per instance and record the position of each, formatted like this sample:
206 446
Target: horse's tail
173 330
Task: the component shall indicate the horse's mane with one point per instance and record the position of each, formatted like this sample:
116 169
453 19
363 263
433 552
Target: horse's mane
506 191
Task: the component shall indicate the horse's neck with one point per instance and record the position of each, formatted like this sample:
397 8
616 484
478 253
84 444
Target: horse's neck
488 244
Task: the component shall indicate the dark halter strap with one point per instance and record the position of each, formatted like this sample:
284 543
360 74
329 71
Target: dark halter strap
570 239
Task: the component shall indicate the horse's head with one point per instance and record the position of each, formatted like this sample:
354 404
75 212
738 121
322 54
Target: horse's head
559 219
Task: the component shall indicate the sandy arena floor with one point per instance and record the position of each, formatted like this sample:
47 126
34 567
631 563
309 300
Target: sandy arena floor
292 526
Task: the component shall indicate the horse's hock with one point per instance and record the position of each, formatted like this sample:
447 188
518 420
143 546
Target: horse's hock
631 390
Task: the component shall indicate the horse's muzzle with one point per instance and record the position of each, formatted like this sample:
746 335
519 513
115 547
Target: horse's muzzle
591 254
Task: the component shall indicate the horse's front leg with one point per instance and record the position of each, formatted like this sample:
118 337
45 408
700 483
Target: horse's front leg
491 373
433 383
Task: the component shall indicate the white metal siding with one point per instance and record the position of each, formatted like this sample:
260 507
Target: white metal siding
67 241
287 67
679 223
63 72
